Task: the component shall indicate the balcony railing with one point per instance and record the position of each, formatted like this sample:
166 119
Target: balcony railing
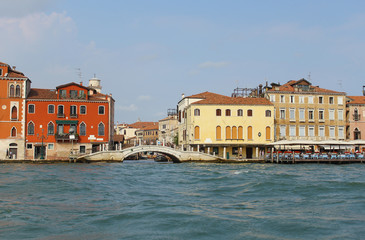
357 117
66 137
73 115
60 115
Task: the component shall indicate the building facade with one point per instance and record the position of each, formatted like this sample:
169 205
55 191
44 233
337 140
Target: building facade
307 112
356 118
168 130
69 119
226 126
14 88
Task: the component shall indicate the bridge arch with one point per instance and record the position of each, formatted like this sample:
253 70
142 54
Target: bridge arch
171 153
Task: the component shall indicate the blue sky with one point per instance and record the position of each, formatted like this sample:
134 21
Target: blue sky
147 53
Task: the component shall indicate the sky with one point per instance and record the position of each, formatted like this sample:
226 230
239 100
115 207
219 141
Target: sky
148 53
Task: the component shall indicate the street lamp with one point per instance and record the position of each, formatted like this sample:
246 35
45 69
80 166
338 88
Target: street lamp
42 147
72 137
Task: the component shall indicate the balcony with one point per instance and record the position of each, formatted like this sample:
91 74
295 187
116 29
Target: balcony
66 137
73 115
60 115
357 117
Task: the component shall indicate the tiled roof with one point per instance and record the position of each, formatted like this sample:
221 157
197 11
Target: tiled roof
151 127
217 99
39 93
289 87
357 100
73 83
140 125
98 97
118 138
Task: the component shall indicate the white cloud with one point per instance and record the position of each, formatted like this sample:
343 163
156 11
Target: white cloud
131 108
210 64
144 98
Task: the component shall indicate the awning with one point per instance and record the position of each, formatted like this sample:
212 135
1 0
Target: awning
67 122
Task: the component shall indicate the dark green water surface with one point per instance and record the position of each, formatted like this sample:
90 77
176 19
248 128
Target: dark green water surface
147 200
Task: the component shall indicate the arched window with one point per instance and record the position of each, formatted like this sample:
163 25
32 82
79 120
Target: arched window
11 90
249 133
197 112
14 113
357 134
240 132
31 128
218 112
234 132
249 112
197 133
268 133
228 112
268 113
13 132
228 132
83 129
50 128
101 129
17 91
218 133
240 112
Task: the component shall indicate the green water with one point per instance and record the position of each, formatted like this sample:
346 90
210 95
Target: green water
147 200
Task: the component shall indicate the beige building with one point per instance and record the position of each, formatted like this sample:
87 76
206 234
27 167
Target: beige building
168 130
230 127
307 112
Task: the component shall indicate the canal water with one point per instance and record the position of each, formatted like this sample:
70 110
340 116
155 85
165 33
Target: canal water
148 200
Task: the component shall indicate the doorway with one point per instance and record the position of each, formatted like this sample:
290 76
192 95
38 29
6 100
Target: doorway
38 152
249 152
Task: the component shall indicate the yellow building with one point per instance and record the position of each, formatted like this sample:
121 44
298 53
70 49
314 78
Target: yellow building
230 127
307 112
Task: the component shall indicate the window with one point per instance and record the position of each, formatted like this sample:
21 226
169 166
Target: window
357 134
282 131
272 98
249 133
321 131
1 72
73 93
218 133
197 112
13 132
282 98
50 109
332 132
340 114
14 113
292 113
234 132
29 146
17 91
301 114
31 128
82 94
331 100
292 131
218 112
82 149
292 99
311 114
228 132
282 113
101 131
301 99
50 128
101 110
268 133
60 112
301 131
321 114
60 129
320 100
249 112
73 111
83 110
311 131
240 112
341 134
340 100
310 99
268 113
11 91
179 117
197 133
332 114
31 108
228 112
50 146
73 129
240 132
63 93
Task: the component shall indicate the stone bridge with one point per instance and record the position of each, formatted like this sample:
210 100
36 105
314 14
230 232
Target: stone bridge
177 156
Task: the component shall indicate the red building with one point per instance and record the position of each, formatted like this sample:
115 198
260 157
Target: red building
71 118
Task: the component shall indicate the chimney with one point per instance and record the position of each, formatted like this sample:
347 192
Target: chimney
14 67
81 83
182 96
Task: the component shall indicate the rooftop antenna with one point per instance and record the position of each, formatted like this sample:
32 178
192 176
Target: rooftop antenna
79 73
340 83
309 77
